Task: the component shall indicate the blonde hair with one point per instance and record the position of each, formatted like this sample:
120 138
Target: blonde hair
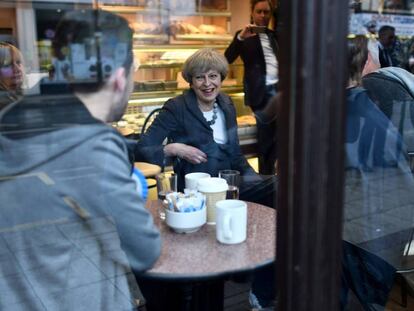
6 50
202 61
8 53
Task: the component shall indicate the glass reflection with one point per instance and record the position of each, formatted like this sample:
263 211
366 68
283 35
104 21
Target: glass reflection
379 197
12 74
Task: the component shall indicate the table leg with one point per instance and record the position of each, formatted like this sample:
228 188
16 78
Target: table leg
178 296
186 292
208 296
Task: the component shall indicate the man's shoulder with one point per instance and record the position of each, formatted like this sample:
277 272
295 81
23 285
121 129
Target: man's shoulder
92 140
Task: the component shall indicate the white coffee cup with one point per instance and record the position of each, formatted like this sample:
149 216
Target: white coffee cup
231 221
191 179
215 189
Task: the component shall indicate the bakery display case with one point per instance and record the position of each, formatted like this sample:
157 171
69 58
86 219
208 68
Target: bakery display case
166 33
177 21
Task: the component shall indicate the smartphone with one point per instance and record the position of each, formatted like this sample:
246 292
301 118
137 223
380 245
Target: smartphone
258 29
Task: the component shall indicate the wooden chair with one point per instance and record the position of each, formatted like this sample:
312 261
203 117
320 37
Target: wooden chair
149 170
148 120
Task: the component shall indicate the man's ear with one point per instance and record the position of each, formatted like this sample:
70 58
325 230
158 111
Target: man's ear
119 79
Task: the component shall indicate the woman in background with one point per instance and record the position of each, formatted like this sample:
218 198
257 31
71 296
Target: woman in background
11 74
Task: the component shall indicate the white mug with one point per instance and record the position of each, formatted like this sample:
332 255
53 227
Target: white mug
231 221
192 179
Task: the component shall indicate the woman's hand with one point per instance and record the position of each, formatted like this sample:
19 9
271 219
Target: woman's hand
246 32
186 152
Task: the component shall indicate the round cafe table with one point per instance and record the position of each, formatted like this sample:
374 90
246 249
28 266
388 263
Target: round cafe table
200 264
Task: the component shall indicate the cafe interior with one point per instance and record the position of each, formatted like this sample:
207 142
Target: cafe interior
163 185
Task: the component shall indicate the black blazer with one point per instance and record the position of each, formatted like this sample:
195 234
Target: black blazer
251 52
181 121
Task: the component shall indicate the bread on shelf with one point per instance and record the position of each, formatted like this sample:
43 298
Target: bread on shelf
147 28
183 28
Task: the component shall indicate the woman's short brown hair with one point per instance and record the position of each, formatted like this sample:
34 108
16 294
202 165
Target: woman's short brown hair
202 61
254 2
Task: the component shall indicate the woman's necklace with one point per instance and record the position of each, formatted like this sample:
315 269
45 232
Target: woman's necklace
214 118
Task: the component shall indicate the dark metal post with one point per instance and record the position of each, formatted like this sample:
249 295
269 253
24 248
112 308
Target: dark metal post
313 77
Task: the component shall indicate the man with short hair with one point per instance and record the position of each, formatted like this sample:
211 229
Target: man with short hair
72 223
389 47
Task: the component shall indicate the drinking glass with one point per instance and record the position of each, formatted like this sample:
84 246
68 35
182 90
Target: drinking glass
166 183
233 181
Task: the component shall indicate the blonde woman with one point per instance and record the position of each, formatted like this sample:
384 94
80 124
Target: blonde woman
11 74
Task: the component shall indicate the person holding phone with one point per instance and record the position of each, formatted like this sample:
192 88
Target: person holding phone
256 45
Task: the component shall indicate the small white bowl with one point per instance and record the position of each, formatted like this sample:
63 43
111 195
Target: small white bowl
185 222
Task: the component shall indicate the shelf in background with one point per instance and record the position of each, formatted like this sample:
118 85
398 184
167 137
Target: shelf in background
133 9
151 37
164 65
203 13
205 37
164 38
166 47
163 11
151 98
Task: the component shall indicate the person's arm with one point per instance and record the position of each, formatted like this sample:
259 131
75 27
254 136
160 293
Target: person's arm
189 153
150 147
116 195
234 49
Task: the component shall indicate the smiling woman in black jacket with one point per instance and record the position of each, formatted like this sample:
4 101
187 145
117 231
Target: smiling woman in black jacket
201 129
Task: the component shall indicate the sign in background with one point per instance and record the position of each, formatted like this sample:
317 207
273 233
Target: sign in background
403 24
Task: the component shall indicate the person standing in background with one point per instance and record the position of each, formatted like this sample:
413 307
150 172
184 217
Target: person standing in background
12 74
373 44
390 53
257 47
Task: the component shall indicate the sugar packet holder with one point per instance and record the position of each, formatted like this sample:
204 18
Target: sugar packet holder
187 202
